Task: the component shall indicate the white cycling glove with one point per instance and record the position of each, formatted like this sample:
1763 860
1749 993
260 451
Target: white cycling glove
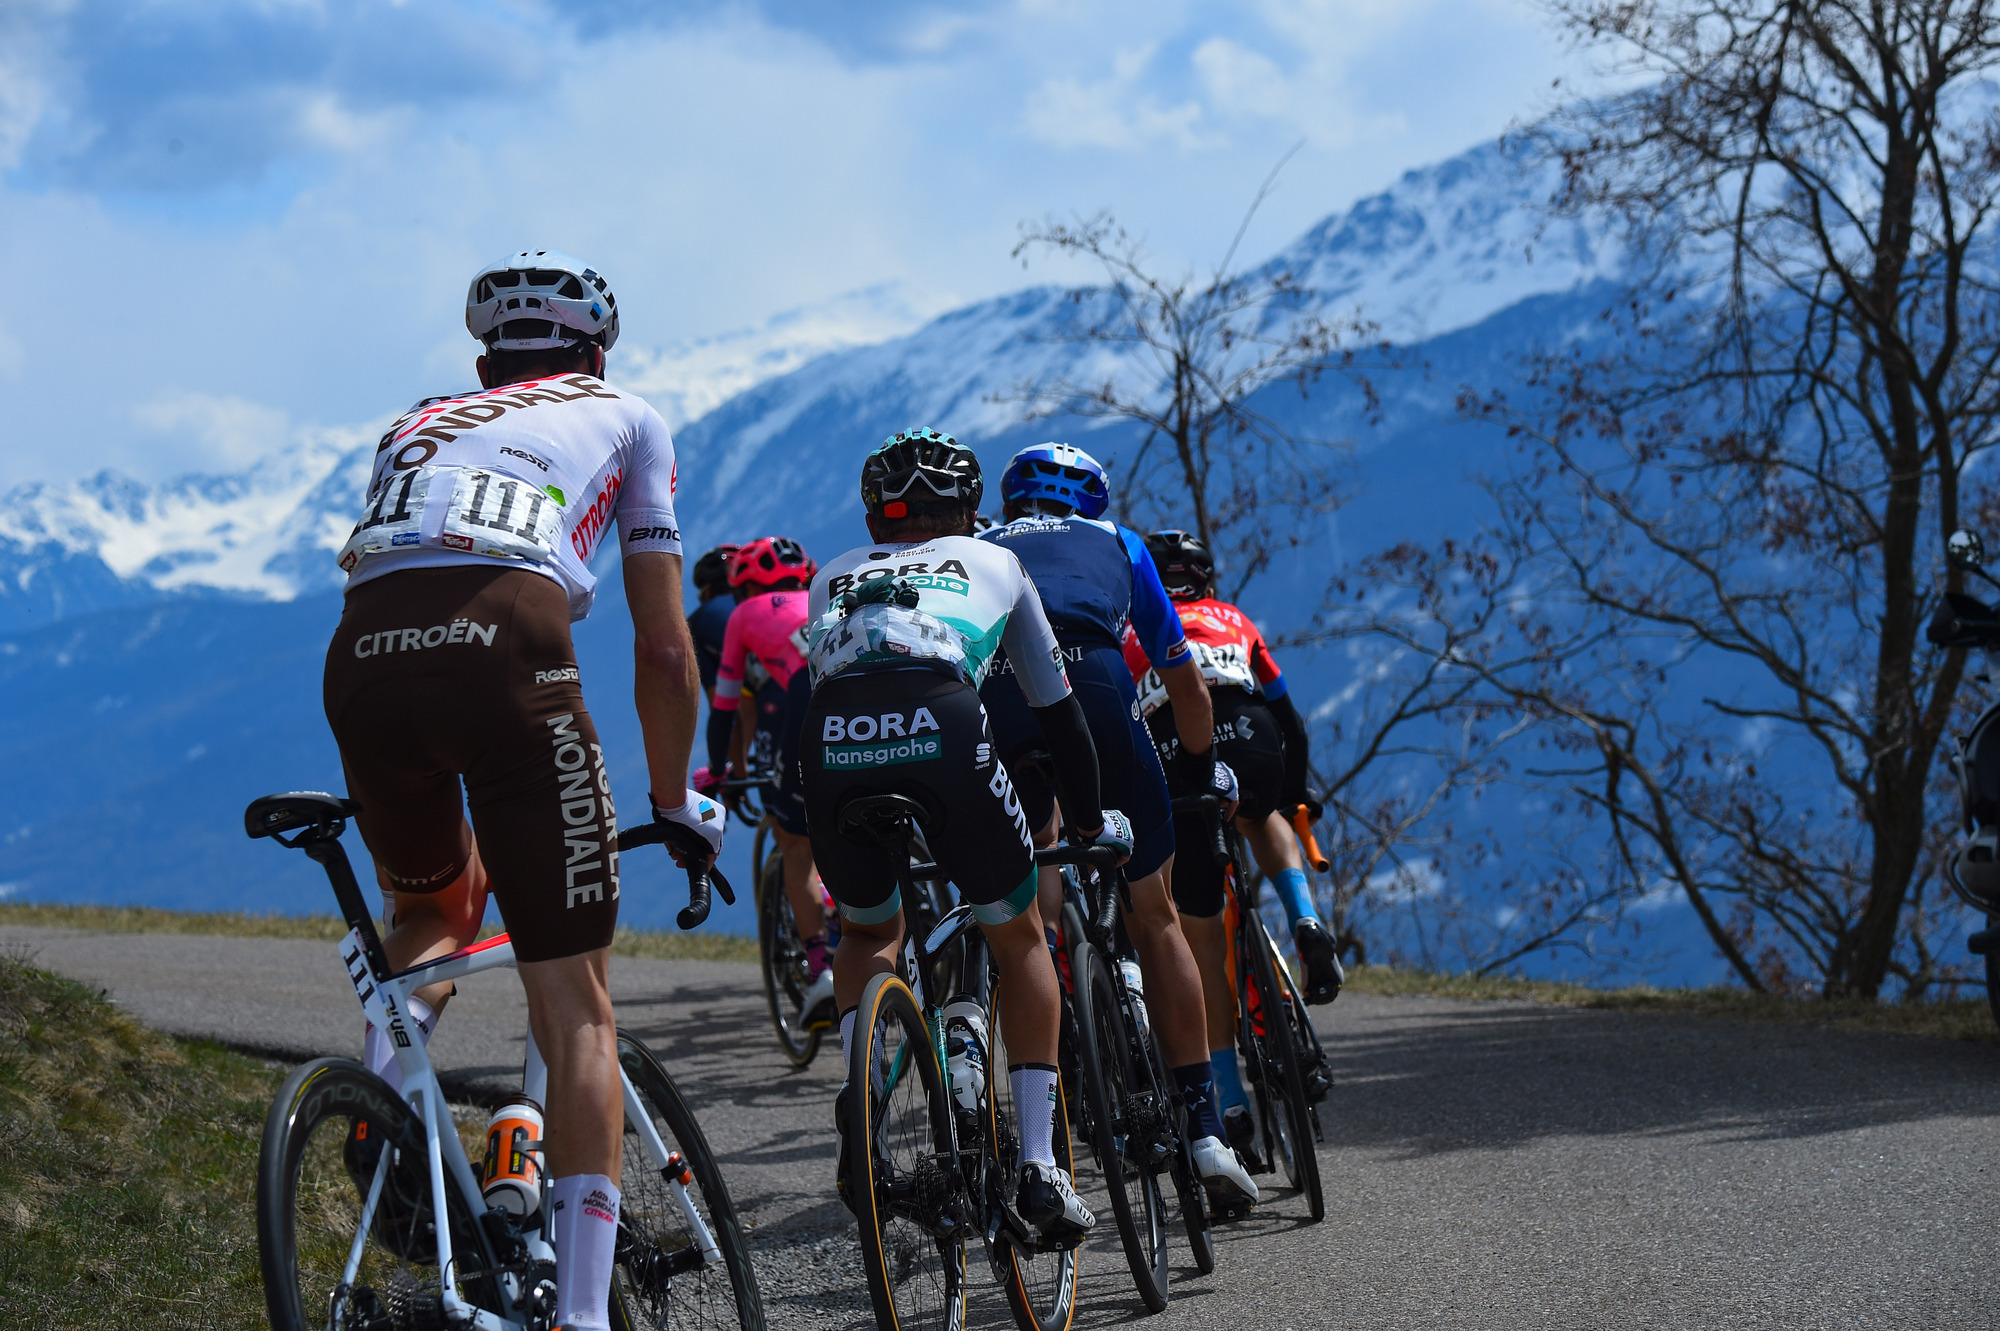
698 814
1224 782
1117 833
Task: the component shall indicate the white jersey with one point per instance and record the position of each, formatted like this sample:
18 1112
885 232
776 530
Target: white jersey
532 473
974 598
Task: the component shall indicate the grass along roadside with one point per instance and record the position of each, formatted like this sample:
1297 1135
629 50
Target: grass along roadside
1961 1019
663 945
136 1203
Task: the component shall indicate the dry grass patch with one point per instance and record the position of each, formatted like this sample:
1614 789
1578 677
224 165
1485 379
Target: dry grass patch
1963 1019
661 944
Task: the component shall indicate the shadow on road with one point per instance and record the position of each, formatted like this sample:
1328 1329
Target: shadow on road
1502 1075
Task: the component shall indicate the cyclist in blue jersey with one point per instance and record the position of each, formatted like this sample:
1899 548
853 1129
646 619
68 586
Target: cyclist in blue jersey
1095 578
708 621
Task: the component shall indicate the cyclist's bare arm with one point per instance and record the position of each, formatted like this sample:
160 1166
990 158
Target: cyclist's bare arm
1194 714
666 682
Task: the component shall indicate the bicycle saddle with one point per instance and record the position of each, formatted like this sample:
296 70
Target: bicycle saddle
275 814
889 821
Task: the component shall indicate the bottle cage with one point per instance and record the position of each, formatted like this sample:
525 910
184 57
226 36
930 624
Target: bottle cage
880 591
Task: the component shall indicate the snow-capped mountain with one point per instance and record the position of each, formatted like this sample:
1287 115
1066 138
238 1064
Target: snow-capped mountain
1444 249
167 641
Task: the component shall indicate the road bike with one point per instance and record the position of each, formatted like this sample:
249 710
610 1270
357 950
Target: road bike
930 1170
1130 1110
353 1175
1287 1070
1962 620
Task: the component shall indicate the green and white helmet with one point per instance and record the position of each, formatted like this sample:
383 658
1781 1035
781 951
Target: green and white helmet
539 300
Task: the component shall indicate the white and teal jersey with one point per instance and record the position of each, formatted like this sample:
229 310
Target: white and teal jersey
975 598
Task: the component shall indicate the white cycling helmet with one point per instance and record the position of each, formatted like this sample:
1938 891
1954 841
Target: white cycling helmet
539 300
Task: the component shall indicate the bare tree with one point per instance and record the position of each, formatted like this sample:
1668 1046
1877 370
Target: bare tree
1745 480
1189 361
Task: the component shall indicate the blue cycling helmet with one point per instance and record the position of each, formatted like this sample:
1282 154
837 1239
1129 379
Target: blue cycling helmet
1059 472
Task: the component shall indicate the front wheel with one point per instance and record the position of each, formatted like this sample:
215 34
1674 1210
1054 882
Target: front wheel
1278 1066
661 1278
1123 1144
334 1128
783 955
1041 1285
901 1171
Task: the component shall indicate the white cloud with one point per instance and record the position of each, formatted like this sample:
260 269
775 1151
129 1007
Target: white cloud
224 433
721 171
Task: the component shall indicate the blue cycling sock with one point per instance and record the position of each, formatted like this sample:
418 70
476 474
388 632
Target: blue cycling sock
1228 1080
1198 1094
1295 895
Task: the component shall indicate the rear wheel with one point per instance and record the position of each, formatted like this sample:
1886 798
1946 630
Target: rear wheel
783 955
1041 1286
1122 1145
334 1127
1271 1012
1993 973
902 1172
1188 1191
660 1277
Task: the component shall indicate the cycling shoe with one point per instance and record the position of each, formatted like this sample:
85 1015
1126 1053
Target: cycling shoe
1222 1173
844 1168
1323 976
1046 1200
816 1008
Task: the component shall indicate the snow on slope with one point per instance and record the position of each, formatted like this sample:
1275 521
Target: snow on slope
1445 248
270 531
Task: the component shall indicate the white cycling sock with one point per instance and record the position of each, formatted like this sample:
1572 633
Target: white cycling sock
1034 1088
586 1224
847 1039
378 1051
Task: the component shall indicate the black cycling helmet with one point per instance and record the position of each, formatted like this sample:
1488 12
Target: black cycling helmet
1186 565
920 471
712 570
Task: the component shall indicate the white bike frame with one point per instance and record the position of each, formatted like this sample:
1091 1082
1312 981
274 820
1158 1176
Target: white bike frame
386 1003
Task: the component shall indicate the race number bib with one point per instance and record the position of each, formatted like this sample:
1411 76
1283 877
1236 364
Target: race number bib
496 515
395 519
876 635
1225 663
485 514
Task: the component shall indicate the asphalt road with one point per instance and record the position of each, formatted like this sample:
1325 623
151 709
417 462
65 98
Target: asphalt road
1488 1164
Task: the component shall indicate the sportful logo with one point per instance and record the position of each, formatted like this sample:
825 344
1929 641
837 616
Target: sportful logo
585 836
410 640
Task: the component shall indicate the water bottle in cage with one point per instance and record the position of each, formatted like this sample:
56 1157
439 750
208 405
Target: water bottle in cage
512 1179
1135 982
965 1052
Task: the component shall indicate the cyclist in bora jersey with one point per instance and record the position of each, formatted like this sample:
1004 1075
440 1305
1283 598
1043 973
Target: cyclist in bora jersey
903 631
1259 733
453 661
768 629
1096 579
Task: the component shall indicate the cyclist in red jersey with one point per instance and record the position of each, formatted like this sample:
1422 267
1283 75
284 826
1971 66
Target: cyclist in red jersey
1260 735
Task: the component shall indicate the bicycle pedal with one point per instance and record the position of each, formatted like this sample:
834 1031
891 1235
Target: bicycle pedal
1224 1215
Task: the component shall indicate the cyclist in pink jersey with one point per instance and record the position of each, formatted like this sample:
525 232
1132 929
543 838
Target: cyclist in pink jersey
768 627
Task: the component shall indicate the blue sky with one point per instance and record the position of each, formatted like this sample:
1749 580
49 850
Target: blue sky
235 219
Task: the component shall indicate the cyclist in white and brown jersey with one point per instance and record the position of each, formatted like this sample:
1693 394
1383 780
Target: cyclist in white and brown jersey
453 663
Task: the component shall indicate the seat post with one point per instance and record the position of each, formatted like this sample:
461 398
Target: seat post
332 857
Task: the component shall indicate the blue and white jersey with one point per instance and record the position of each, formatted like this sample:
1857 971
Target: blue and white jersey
1095 578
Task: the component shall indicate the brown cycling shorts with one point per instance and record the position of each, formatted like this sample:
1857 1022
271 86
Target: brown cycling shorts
438 675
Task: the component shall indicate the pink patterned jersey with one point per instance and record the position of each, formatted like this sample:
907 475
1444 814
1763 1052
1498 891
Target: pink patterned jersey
770 626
